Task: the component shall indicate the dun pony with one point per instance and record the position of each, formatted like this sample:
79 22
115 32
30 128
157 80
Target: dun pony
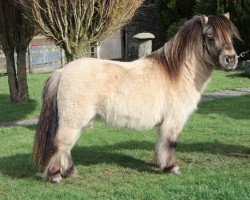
162 88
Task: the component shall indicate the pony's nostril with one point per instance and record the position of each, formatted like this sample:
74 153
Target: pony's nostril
230 59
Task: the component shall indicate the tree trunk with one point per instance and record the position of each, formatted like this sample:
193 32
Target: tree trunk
84 50
12 78
23 94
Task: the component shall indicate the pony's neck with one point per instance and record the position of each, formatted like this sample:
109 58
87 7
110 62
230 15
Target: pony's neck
189 67
197 71
193 67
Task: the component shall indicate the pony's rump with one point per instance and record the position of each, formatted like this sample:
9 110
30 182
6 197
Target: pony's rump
48 123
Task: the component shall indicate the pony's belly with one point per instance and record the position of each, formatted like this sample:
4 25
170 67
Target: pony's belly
131 120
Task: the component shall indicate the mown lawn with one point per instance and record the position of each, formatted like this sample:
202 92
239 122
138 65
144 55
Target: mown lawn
10 111
116 163
213 153
223 80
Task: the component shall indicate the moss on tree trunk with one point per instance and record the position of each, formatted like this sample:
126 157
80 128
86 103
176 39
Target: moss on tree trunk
22 95
80 51
12 79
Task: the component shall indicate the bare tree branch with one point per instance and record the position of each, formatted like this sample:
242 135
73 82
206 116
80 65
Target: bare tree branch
77 24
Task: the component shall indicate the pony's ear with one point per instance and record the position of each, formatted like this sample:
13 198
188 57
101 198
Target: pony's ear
227 15
204 20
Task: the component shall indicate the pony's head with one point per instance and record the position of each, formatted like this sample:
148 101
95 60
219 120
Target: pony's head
218 33
208 37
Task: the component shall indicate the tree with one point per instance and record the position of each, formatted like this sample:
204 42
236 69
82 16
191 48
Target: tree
16 32
172 14
76 25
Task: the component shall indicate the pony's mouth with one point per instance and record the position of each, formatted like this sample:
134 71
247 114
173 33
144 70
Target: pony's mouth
229 67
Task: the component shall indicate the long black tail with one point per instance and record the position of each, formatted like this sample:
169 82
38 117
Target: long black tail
47 126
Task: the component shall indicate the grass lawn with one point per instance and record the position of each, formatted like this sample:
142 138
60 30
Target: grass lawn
213 154
221 80
10 111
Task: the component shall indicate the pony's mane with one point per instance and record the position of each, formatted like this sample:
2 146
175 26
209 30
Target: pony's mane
190 38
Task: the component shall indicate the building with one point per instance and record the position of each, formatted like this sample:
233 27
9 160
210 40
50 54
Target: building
121 44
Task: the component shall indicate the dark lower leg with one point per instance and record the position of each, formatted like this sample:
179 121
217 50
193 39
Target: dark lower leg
60 165
52 172
170 164
68 168
165 155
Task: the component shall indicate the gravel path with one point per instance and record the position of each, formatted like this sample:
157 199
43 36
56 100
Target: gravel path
225 94
23 122
205 97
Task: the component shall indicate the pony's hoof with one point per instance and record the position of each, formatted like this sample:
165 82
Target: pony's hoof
176 170
53 178
171 169
72 172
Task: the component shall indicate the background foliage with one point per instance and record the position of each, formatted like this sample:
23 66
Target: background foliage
173 13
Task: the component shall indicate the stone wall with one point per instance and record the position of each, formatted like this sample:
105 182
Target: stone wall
145 20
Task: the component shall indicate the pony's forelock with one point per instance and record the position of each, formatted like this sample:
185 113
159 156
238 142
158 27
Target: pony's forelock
223 28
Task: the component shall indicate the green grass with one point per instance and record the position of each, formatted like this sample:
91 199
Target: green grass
213 154
221 80
224 80
11 111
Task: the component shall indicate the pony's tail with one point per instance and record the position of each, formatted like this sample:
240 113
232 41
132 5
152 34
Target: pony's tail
44 145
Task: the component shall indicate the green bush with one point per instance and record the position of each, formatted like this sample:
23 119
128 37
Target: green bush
172 14
173 28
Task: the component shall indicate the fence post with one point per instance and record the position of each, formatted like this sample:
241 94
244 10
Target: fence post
62 57
144 43
30 59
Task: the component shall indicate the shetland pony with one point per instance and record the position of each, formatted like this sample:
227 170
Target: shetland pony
162 88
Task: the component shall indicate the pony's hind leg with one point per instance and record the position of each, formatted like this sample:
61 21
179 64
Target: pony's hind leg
61 163
69 129
165 148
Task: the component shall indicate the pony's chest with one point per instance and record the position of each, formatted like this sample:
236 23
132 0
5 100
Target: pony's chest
188 101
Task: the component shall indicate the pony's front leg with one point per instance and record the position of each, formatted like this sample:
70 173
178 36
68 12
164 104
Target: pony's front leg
166 146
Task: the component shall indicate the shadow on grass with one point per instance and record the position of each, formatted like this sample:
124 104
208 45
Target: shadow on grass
229 150
12 111
95 155
20 166
238 74
233 107
17 166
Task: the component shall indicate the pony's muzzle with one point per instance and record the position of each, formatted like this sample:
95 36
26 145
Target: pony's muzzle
231 59
229 62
